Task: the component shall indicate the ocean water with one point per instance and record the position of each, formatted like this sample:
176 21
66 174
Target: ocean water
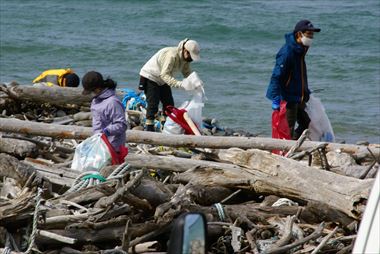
238 39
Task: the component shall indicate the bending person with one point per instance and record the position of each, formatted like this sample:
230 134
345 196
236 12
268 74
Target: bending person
58 77
108 115
157 75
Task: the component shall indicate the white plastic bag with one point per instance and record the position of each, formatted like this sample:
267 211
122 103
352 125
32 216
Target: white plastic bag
195 105
319 127
91 154
171 127
192 82
194 86
194 110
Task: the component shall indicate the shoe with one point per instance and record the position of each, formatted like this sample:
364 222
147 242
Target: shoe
150 128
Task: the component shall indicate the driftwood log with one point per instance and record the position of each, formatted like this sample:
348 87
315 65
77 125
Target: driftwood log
267 173
56 95
15 147
254 201
59 96
77 132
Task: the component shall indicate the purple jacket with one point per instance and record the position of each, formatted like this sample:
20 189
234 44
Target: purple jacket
108 116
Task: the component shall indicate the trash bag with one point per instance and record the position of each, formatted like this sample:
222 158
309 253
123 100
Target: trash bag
92 154
176 115
195 105
194 108
192 82
171 127
319 127
280 127
175 122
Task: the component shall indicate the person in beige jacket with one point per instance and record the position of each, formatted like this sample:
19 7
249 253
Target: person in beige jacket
157 76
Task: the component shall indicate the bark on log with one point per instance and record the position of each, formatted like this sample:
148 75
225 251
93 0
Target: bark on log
18 148
63 177
291 179
60 96
240 142
11 167
77 132
57 95
109 234
44 129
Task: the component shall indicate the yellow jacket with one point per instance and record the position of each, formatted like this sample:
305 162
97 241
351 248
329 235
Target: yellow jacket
53 77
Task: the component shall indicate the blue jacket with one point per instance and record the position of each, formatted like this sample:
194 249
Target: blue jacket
108 116
289 77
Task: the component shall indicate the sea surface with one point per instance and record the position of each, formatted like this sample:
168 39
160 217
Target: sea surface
238 39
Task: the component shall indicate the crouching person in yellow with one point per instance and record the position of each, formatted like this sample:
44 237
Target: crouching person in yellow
58 77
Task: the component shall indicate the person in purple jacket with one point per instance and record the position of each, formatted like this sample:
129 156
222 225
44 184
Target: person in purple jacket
108 114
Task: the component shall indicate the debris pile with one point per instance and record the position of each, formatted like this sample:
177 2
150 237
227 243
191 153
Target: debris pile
310 200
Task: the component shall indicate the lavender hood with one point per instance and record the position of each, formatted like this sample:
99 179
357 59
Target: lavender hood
108 114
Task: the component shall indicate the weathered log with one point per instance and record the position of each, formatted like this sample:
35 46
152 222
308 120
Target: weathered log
44 129
108 234
344 193
271 174
56 95
18 148
22 170
20 208
289 178
11 167
77 132
63 177
240 142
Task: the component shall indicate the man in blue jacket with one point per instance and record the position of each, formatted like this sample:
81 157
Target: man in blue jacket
289 78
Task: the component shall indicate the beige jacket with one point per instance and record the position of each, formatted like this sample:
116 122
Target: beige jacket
165 64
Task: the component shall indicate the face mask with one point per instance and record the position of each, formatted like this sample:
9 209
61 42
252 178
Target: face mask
306 41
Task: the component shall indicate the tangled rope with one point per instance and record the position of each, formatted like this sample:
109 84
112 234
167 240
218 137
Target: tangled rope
91 178
35 219
220 210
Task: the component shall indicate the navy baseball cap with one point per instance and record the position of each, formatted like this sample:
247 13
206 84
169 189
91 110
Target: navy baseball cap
305 25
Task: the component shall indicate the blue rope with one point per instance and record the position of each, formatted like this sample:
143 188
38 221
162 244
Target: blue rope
131 94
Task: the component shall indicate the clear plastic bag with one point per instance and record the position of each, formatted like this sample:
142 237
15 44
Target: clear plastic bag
319 127
91 154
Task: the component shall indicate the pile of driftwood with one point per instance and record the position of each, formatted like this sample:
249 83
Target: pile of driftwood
308 201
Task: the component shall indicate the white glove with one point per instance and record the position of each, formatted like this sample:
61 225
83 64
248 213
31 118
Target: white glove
187 85
192 82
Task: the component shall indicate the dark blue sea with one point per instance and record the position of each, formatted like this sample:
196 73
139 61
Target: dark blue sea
238 39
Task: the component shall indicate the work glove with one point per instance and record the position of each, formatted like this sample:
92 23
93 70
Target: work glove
276 103
192 82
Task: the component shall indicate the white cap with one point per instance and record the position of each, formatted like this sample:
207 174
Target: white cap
193 47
